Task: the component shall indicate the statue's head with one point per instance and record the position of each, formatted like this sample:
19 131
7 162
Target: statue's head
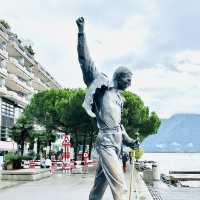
122 78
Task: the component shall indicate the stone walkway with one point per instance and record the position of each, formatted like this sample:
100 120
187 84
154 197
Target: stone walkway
139 188
74 186
9 184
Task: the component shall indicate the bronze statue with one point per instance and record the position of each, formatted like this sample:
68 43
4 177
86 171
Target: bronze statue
104 101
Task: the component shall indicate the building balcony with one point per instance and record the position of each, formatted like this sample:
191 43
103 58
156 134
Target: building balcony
38 84
3 33
43 75
3 72
3 53
17 98
16 49
15 67
16 84
3 91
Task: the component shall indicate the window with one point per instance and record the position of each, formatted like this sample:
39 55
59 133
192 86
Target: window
7 118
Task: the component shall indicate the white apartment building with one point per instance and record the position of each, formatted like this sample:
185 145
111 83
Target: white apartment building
20 77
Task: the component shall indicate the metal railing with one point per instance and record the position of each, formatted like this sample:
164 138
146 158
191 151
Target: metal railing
154 193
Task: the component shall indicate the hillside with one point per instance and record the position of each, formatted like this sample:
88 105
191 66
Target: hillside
180 133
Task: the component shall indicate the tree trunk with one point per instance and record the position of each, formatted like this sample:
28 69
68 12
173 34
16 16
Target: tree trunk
76 147
38 146
22 143
22 148
31 146
91 144
49 146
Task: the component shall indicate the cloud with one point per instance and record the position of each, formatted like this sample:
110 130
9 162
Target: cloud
158 40
171 91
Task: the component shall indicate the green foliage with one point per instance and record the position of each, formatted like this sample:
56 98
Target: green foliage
43 137
10 157
30 50
21 131
5 24
44 109
136 117
15 160
74 114
61 110
138 153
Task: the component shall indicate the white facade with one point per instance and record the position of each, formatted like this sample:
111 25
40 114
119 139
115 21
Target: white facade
20 77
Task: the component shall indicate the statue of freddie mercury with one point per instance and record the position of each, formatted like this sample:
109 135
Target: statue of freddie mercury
104 101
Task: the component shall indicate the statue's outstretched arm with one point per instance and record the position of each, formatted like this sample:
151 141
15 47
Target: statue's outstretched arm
87 65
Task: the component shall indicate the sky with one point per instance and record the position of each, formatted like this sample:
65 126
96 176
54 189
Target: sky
158 40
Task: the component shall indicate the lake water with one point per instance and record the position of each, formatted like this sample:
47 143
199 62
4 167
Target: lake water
175 162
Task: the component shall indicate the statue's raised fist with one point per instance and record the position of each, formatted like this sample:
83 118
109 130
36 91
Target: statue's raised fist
80 21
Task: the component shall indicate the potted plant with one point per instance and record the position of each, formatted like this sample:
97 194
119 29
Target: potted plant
12 161
138 153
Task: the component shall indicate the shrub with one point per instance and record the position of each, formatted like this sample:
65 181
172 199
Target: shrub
10 157
14 159
139 153
30 50
5 24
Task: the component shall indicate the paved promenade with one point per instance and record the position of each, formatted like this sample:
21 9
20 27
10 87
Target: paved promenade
63 187
77 186
8 184
57 187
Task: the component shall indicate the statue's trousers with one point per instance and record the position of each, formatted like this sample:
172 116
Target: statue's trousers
109 172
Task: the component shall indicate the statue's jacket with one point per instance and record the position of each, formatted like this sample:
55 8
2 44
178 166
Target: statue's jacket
102 100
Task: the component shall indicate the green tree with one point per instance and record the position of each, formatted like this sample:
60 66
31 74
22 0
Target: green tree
21 131
137 118
50 137
5 24
30 50
61 110
43 139
138 153
79 123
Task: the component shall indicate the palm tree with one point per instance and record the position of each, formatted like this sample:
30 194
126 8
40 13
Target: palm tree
21 131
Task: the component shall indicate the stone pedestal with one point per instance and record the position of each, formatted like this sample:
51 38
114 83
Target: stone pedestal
24 174
148 176
155 172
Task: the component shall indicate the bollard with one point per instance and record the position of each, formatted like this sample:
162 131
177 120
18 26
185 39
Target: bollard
148 176
155 172
53 167
85 169
95 163
66 168
32 164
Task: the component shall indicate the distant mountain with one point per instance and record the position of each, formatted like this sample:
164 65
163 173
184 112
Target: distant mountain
180 133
